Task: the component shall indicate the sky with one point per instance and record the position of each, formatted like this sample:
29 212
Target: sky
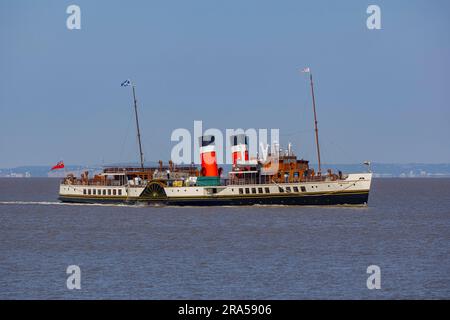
381 95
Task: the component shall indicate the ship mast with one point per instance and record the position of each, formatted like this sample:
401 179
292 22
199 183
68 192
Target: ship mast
308 70
127 83
141 154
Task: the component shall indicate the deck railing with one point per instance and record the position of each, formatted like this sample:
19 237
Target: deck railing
179 182
112 183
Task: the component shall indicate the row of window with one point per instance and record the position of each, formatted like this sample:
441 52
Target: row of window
99 192
267 190
295 189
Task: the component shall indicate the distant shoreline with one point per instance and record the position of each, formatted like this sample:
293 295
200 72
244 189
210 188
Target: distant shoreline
375 178
380 170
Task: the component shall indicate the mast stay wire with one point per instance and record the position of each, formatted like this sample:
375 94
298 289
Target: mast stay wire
130 120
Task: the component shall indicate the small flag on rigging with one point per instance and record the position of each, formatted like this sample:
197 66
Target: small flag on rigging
126 83
306 70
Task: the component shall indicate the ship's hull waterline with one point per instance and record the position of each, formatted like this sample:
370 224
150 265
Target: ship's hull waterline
347 198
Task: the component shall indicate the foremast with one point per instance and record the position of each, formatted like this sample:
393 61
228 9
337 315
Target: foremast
127 83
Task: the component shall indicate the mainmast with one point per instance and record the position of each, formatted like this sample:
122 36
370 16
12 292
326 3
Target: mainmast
126 83
141 154
308 70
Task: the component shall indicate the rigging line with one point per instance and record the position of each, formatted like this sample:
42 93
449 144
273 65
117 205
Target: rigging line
338 146
126 137
304 103
296 132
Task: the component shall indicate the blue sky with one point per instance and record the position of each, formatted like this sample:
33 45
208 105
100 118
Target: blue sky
382 94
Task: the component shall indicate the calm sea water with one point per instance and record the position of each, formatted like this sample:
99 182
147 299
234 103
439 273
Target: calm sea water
127 252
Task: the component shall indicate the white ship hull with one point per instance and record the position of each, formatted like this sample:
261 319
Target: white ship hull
353 190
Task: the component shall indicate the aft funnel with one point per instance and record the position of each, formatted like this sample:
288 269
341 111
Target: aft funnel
239 148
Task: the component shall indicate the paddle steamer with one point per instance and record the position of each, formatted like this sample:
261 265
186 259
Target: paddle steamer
279 179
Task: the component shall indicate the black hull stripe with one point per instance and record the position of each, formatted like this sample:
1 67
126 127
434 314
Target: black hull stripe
347 199
273 195
217 197
327 199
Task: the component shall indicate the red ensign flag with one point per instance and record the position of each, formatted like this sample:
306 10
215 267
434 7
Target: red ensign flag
59 165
